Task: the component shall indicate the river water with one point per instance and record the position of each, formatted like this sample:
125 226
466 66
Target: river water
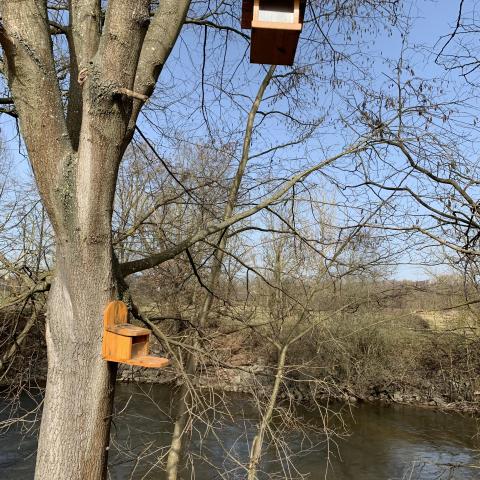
392 442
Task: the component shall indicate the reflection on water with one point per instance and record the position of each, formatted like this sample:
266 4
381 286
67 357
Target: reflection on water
385 443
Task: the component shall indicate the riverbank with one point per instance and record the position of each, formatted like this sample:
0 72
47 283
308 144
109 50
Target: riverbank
247 379
389 358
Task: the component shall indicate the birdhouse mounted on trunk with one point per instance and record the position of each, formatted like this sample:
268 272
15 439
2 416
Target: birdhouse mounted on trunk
276 27
127 343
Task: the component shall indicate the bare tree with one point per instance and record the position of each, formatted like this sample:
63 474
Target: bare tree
78 74
75 158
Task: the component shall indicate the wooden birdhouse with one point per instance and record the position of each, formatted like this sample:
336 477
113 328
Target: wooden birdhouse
124 342
276 27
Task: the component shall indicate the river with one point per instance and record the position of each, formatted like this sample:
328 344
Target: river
384 443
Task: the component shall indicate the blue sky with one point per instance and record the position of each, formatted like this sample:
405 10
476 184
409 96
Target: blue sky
180 87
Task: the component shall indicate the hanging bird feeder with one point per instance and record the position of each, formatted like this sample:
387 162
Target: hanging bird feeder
127 343
276 27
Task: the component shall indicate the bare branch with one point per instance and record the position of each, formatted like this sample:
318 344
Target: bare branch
131 94
149 262
157 45
83 37
25 38
208 23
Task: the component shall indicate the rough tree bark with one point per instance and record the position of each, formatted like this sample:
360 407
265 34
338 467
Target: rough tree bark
75 155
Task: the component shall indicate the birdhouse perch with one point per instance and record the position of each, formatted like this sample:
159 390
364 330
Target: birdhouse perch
276 27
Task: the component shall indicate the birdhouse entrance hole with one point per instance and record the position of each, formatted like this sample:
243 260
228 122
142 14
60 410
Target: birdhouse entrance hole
276 12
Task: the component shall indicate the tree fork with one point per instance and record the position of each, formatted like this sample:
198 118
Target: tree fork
75 159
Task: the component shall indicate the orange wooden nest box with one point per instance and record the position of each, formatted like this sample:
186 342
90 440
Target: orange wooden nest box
276 27
124 342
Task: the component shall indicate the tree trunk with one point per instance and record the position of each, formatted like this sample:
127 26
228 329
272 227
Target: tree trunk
78 402
180 425
118 57
257 444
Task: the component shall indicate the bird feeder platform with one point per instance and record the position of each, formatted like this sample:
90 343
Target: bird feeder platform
276 27
127 343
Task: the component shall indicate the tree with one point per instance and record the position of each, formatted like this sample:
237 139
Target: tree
114 60
79 73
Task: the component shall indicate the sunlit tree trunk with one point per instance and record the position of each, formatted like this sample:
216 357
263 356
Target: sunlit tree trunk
115 59
80 384
257 444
